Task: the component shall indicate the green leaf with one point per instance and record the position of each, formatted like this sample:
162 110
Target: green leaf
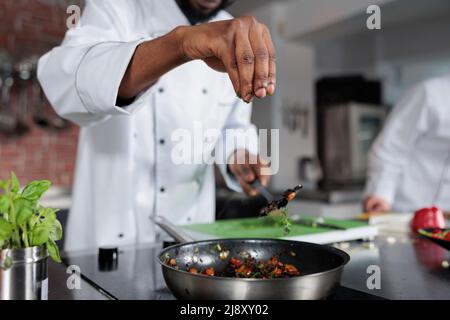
44 218
6 229
56 231
53 251
36 189
24 210
47 212
4 185
34 221
4 204
39 235
15 185
48 216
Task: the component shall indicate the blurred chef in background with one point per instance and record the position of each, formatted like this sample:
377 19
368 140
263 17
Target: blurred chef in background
131 74
409 164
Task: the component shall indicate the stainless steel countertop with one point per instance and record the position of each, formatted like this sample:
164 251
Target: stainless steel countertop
58 289
410 269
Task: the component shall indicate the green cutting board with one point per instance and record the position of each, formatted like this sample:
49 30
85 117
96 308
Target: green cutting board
264 228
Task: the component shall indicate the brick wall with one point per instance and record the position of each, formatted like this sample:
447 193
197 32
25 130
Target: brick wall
30 28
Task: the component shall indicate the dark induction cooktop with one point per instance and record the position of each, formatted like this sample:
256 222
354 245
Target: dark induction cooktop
136 275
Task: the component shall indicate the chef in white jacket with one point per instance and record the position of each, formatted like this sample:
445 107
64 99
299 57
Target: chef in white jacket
409 164
138 77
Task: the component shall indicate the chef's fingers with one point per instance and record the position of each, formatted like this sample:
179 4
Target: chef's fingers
263 176
245 60
369 204
242 170
232 69
383 207
272 76
264 180
247 188
375 204
257 164
245 176
246 173
261 54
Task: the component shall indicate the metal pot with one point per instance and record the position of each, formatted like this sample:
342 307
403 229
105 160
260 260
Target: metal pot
26 278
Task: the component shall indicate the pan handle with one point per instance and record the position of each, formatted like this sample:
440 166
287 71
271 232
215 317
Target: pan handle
172 230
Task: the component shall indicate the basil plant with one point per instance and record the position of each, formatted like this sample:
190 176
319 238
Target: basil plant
23 222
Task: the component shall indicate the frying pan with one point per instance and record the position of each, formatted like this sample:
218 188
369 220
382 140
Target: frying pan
320 267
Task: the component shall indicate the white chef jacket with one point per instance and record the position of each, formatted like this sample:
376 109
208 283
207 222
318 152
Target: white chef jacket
124 172
409 164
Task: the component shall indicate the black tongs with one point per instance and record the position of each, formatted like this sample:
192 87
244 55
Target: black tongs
275 204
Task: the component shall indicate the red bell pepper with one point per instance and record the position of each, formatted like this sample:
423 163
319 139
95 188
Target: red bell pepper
428 218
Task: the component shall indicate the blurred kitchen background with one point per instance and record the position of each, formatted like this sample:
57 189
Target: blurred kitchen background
337 81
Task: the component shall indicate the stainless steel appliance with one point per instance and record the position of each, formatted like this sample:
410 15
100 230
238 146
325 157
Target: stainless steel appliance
349 131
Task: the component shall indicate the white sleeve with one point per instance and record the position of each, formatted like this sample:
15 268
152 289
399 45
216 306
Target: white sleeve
392 149
238 134
81 78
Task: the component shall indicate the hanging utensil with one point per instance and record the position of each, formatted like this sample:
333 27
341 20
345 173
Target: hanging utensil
8 120
10 123
24 73
39 117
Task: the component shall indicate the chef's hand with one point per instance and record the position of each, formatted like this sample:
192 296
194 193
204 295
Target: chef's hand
376 204
246 168
241 47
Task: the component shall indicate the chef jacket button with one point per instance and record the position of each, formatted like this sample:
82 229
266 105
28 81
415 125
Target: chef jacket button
135 135
189 219
120 235
162 189
205 91
162 141
161 90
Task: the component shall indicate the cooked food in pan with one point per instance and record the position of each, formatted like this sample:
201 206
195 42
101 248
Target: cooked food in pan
252 269
249 268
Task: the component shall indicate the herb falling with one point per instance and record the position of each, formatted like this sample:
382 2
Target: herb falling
278 210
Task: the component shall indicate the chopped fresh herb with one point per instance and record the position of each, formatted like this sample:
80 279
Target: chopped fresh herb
277 209
281 217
